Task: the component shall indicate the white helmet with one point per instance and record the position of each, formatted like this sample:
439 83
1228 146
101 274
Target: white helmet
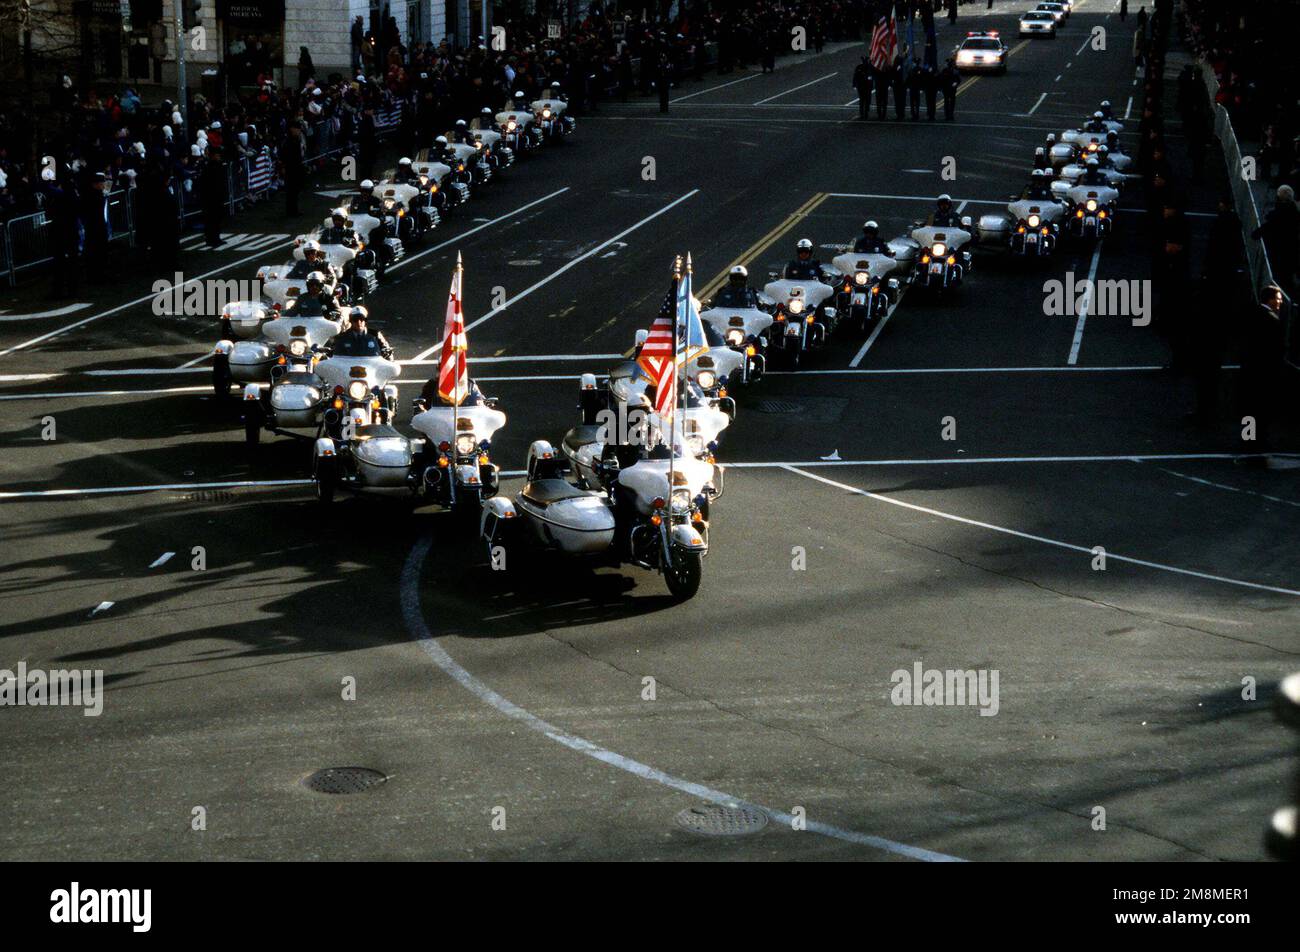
310 245
519 94
461 124
1038 173
367 184
739 271
945 197
803 244
1051 137
1092 162
870 225
441 140
1098 115
404 160
316 276
1105 104
359 313
1039 151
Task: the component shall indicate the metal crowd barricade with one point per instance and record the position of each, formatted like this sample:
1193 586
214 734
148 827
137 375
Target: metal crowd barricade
28 243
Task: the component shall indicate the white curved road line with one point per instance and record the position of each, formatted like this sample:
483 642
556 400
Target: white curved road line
1043 539
415 624
36 315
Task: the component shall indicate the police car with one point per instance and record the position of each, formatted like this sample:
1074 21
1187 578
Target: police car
1038 23
982 52
1059 11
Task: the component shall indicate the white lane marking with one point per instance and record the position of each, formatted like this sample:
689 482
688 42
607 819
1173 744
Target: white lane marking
525 358
1128 108
101 607
81 394
1083 308
1234 489
853 101
919 171
1087 550
161 560
909 198
465 234
516 298
122 307
36 315
419 631
1083 46
797 88
875 332
805 464
1058 78
1036 105
190 363
713 88
974 370
102 490
964 203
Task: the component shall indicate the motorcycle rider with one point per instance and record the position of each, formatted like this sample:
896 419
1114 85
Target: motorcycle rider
359 340
944 216
1039 187
406 174
430 397
1104 110
1040 158
804 267
487 120
313 260
1096 124
316 301
460 133
870 243
365 203
1093 174
338 233
736 292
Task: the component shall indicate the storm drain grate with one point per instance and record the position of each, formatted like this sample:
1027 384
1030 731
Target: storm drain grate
718 820
777 406
344 780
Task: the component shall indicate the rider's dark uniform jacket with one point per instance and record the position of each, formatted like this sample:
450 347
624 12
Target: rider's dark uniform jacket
871 246
339 235
950 220
1093 177
1036 192
736 296
810 270
1095 125
357 343
312 305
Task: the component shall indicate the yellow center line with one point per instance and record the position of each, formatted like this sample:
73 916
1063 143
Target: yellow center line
758 247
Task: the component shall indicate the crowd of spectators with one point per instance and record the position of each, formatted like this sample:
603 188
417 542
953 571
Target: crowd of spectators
285 122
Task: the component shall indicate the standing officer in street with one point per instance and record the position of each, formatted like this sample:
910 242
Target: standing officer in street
295 171
60 206
898 79
930 86
948 81
882 79
862 84
212 196
94 219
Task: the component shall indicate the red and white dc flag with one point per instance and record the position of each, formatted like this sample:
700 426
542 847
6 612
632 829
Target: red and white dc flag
659 357
884 39
453 367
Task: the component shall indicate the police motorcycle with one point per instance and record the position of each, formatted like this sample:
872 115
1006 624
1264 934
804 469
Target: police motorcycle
737 317
804 314
1097 158
281 284
295 396
242 354
357 448
1097 124
344 251
1091 210
466 167
499 155
651 510
870 276
621 406
1060 154
1032 222
367 216
518 124
454 457
406 203
469 157
552 115
943 260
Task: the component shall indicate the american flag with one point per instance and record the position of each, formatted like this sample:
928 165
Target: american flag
390 117
453 366
884 39
658 356
259 171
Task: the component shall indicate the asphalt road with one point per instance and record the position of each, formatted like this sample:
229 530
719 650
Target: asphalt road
523 695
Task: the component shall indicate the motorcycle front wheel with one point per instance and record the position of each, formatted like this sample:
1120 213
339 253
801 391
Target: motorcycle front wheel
684 575
221 379
326 479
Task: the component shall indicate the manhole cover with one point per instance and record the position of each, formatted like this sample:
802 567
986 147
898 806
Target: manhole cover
777 406
344 780
717 820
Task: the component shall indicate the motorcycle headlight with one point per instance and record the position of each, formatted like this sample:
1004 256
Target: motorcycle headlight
297 347
510 126
424 180
735 337
546 113
465 444
796 306
388 204
357 390
861 278
1033 221
682 497
1092 205
939 249
707 379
